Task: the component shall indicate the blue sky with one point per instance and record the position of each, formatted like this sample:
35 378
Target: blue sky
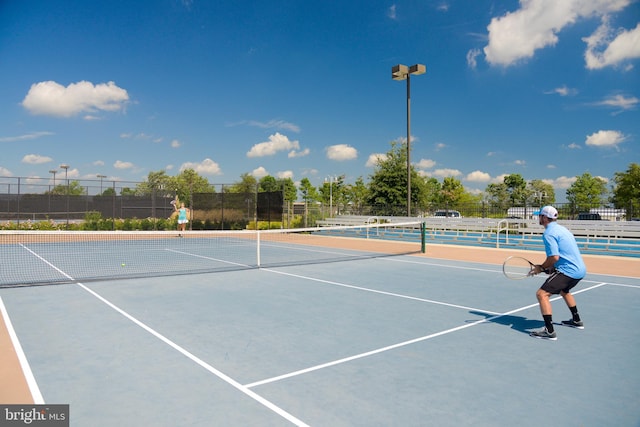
293 88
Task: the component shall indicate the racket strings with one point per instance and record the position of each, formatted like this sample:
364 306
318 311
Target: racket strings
517 268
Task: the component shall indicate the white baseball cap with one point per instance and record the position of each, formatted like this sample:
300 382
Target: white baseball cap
549 212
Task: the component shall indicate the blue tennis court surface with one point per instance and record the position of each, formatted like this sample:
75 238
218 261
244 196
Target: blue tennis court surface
390 341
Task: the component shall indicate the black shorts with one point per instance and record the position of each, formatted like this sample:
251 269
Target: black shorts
558 282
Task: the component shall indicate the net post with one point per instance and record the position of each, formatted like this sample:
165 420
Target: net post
423 236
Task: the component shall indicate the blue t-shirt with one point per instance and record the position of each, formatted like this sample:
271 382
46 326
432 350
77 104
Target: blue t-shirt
558 241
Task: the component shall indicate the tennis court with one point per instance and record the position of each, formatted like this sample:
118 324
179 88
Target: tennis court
361 336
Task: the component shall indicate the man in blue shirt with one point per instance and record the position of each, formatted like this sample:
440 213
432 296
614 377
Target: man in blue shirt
565 267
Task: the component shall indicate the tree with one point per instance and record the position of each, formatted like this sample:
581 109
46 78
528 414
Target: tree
156 182
586 192
289 189
185 184
626 190
268 184
433 193
541 193
189 182
388 184
247 184
517 189
497 196
332 192
356 195
452 191
309 195
308 191
73 189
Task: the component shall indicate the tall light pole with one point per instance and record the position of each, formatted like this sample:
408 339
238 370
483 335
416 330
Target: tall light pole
54 172
101 177
66 168
402 72
331 180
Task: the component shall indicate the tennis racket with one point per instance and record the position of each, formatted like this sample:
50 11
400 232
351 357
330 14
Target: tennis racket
517 268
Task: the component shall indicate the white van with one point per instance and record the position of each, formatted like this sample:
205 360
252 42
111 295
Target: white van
448 214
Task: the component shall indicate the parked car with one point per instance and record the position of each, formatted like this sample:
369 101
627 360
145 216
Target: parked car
448 214
586 216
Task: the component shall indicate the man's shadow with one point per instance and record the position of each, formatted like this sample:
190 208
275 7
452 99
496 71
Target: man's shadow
517 323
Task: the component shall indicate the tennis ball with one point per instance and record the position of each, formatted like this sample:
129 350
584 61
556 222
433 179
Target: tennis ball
123 264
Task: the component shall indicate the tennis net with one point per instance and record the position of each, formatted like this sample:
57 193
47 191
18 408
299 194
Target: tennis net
51 257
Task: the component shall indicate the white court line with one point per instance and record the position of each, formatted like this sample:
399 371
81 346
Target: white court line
375 291
22 358
207 257
199 361
284 414
397 345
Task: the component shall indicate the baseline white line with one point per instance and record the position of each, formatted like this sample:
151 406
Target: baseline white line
22 358
401 344
375 291
268 404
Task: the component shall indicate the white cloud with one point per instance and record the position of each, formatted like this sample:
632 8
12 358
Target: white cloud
35 159
445 173
52 99
5 172
25 137
205 167
276 142
293 153
259 172
276 124
602 51
374 158
341 152
605 138
518 35
271 124
284 174
119 164
70 173
563 182
478 176
176 144
425 164
471 58
391 12
499 179
563 91
620 102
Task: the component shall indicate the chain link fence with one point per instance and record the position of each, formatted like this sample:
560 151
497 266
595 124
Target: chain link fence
92 204
114 205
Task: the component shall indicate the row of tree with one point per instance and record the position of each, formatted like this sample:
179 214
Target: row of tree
388 187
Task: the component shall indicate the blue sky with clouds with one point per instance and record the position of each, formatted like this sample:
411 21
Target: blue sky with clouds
293 88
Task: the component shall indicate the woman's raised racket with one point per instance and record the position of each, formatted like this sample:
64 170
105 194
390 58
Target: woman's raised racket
517 268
